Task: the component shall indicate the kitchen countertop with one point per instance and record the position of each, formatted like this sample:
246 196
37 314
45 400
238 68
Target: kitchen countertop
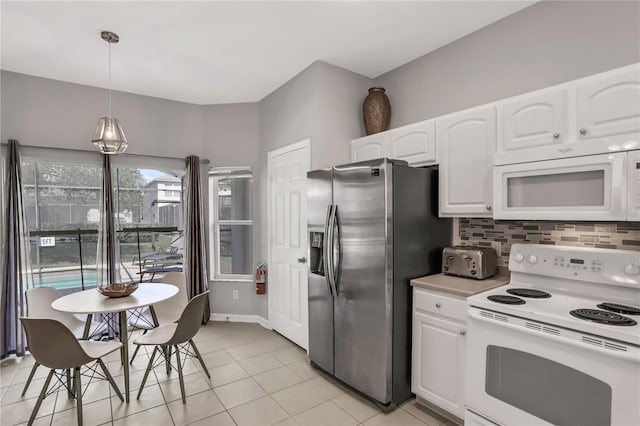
461 286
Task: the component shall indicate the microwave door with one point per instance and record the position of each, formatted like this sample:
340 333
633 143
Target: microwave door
580 188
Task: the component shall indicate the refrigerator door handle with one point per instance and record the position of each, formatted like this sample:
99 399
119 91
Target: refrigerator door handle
335 249
326 253
331 275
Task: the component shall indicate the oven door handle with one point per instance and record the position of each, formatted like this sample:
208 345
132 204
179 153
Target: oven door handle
632 356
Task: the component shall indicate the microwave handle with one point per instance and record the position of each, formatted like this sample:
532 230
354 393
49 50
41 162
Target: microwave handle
474 314
619 184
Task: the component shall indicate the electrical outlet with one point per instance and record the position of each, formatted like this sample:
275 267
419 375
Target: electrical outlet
497 246
236 296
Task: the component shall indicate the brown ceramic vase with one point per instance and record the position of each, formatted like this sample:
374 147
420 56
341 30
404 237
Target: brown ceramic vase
376 110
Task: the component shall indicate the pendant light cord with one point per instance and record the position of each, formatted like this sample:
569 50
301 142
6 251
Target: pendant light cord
109 79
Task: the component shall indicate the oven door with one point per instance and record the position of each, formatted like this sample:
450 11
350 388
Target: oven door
521 372
580 188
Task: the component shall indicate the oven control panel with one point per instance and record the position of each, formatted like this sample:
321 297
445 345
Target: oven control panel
605 266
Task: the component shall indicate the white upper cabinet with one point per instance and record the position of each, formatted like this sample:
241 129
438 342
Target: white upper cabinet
593 115
534 120
414 143
370 147
466 144
609 105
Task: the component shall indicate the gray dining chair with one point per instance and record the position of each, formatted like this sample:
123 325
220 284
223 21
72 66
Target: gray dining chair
167 312
177 336
39 300
54 346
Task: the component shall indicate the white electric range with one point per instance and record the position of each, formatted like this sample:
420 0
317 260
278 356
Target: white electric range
560 344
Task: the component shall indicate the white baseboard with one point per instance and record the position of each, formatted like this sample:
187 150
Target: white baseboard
241 318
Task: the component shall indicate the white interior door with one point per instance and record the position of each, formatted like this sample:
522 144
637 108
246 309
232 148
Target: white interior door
288 309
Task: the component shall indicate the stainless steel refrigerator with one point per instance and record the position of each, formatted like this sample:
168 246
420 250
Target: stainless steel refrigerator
373 226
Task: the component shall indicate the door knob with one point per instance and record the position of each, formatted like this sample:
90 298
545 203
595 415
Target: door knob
302 259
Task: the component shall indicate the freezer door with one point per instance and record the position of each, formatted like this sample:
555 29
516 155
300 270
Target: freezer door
363 259
319 209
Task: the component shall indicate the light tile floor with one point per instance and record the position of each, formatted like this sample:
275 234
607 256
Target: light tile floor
257 378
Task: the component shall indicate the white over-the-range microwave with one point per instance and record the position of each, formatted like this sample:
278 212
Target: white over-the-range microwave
601 187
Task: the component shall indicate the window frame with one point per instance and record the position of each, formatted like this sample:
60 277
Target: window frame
215 175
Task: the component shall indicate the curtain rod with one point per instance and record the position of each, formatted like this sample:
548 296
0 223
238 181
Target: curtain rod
202 160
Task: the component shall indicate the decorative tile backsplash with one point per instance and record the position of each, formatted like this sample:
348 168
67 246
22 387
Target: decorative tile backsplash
613 235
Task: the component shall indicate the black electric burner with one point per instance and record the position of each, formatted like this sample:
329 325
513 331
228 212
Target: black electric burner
507 300
529 292
621 309
602 317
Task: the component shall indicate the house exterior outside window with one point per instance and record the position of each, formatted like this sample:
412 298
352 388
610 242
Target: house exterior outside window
231 224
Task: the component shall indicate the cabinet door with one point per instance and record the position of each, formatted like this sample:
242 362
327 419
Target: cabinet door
370 147
466 144
414 143
534 120
439 358
609 106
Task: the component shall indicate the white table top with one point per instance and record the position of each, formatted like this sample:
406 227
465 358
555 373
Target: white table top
92 301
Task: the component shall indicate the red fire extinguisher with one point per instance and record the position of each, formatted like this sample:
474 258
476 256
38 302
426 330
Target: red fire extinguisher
261 278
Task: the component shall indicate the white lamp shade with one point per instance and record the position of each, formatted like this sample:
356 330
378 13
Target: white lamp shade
109 137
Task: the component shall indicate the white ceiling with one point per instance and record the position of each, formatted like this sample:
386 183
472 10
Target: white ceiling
225 52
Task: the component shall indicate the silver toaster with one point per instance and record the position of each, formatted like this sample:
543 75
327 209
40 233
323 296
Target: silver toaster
470 261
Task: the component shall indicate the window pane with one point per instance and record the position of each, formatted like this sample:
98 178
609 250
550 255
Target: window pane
62 196
234 198
58 260
236 249
148 197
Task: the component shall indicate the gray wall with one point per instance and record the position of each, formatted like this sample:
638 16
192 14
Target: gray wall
230 138
545 44
323 103
44 112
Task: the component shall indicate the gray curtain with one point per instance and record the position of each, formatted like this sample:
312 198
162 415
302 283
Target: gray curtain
195 261
108 250
16 271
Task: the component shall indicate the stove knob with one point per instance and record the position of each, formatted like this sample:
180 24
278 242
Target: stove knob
631 269
518 258
532 259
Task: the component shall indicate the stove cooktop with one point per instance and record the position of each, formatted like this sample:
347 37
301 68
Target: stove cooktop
602 317
620 309
563 310
585 289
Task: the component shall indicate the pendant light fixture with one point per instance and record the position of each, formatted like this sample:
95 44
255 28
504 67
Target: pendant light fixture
109 137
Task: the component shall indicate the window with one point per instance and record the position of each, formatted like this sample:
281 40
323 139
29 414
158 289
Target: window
231 213
62 201
150 221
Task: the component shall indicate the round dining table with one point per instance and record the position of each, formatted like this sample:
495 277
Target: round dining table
93 302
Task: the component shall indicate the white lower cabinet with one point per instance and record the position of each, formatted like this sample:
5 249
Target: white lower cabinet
439 349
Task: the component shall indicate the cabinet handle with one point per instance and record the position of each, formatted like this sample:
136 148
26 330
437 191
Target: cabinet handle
583 131
438 305
556 135
463 332
488 207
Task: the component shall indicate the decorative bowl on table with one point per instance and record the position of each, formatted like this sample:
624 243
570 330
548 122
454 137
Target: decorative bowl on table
117 289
